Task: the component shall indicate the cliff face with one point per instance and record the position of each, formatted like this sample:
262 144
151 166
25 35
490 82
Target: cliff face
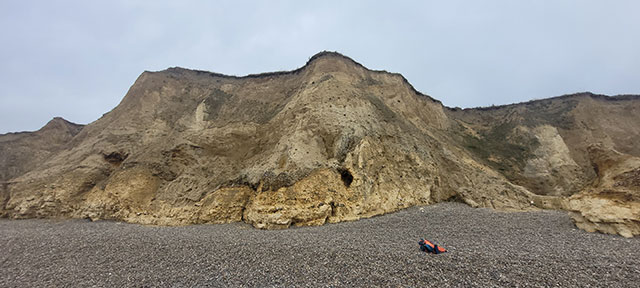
25 151
543 145
570 147
329 142
22 152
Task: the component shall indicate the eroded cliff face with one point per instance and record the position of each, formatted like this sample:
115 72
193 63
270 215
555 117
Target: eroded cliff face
329 142
23 151
612 204
566 150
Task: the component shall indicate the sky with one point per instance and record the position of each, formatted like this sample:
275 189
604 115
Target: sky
77 59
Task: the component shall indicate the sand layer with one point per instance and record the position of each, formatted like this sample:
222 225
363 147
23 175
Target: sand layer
487 248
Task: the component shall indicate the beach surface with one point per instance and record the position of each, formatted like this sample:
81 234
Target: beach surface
486 248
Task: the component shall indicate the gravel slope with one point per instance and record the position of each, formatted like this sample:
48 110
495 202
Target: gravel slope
487 248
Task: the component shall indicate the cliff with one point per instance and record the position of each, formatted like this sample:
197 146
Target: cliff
331 141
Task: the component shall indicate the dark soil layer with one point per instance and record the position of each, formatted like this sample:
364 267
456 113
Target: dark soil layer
487 248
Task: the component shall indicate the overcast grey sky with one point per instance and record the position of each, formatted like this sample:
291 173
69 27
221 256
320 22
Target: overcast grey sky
77 59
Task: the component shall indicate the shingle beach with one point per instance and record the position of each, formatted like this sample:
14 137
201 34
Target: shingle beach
486 248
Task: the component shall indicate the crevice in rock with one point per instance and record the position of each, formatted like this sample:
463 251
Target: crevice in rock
244 207
242 180
453 198
346 176
115 157
333 210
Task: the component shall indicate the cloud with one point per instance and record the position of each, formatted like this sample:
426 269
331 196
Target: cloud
76 59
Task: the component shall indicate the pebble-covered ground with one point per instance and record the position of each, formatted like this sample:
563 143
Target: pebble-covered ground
486 248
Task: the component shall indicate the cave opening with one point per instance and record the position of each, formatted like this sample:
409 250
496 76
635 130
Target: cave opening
346 176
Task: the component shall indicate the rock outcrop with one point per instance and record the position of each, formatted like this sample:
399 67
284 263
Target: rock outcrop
612 204
332 141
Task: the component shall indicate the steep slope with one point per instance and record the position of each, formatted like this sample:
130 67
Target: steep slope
564 146
543 145
328 142
331 141
24 151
